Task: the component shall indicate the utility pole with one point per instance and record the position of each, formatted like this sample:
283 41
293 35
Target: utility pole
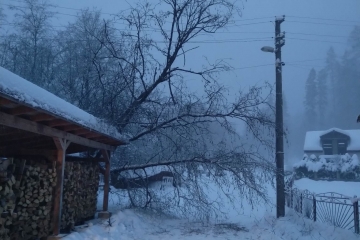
279 129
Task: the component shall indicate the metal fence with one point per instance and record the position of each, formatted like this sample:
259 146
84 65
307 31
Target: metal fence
332 208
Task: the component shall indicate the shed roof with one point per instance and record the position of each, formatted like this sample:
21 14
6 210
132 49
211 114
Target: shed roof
26 101
312 139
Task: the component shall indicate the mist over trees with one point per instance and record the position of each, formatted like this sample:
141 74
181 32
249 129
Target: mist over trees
337 98
132 71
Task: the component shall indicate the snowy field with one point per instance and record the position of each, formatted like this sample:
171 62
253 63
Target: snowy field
242 222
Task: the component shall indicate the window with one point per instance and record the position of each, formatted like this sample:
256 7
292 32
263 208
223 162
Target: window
328 147
334 146
341 147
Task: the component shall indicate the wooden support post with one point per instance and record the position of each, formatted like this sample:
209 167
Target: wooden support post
61 145
106 156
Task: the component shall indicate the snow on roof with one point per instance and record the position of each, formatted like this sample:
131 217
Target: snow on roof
312 139
18 88
336 130
280 18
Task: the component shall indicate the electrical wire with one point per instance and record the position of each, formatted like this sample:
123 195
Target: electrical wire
161 41
313 40
325 19
319 23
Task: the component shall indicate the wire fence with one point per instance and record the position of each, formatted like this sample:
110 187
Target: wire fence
331 208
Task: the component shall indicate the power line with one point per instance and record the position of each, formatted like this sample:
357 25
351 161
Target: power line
116 14
305 65
313 34
313 40
161 41
325 19
309 60
329 24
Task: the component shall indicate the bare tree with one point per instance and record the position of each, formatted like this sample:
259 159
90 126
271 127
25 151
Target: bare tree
31 52
137 77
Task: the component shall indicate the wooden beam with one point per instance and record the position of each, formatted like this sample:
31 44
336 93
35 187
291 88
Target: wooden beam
100 138
80 159
71 127
7 152
21 110
91 135
4 131
41 117
17 136
106 155
80 131
61 145
23 124
58 122
19 140
4 102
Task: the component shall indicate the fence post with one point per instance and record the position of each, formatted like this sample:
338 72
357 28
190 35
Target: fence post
301 203
314 208
356 215
291 198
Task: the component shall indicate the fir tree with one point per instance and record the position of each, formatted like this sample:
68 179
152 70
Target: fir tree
322 99
310 100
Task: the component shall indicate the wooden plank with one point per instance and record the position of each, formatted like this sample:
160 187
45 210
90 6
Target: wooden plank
5 102
80 159
41 117
62 145
5 131
91 135
106 155
21 110
80 131
23 124
58 122
11 152
71 128
16 136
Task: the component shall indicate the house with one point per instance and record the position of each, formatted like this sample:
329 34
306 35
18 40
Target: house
43 190
334 141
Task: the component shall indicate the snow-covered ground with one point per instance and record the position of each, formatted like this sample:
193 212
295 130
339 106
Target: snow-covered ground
131 224
243 222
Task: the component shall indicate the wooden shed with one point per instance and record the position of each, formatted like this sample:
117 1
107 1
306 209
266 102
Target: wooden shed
35 122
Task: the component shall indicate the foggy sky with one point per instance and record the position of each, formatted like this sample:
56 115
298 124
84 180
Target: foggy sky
254 30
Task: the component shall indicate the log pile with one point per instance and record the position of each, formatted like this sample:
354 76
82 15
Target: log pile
7 196
81 182
26 196
34 201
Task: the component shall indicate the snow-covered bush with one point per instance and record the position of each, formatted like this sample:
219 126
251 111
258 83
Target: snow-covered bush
328 167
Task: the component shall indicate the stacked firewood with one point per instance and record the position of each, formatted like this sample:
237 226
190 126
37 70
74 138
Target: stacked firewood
81 182
7 196
35 200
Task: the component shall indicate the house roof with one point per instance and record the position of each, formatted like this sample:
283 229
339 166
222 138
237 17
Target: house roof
21 98
312 139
